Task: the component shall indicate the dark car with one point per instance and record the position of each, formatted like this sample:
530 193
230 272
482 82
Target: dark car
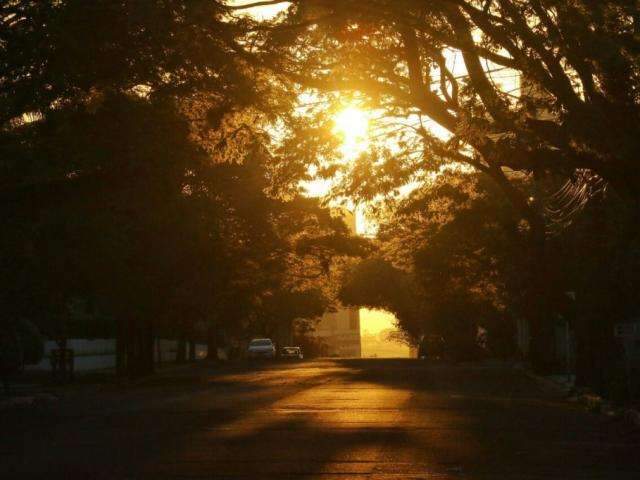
291 353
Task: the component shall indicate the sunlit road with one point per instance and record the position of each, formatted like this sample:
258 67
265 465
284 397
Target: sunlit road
369 419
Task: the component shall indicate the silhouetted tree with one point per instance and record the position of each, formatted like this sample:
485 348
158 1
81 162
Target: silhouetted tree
451 259
511 86
115 120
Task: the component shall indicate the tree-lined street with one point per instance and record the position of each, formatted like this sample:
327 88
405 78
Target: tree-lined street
326 419
228 179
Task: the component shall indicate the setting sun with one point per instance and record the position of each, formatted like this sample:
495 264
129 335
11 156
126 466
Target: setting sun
352 124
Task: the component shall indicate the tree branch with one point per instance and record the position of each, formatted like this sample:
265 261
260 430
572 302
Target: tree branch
263 3
428 102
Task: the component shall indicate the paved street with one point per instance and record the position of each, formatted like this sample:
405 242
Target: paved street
369 419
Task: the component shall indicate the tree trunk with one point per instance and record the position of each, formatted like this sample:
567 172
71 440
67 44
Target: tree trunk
121 347
212 342
181 352
134 348
538 307
584 355
542 344
192 350
147 365
608 296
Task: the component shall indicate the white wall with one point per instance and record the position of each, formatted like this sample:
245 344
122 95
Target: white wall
101 353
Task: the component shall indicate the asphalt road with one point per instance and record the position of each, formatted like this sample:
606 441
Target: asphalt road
355 419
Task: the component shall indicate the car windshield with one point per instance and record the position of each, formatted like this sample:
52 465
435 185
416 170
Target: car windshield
261 343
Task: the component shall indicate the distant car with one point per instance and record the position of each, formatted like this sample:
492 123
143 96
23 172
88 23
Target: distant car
261 348
432 347
292 352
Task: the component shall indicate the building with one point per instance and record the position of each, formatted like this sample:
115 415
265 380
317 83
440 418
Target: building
339 331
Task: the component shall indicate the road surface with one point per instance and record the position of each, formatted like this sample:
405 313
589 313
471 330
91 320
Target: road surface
325 419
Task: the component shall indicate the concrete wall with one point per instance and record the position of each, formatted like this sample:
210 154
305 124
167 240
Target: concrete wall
340 331
101 353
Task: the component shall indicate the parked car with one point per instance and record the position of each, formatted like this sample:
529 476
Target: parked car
432 347
261 348
294 353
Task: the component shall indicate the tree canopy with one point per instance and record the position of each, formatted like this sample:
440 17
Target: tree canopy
138 176
153 157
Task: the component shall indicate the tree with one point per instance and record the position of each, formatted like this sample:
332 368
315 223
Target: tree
575 62
451 253
376 283
511 86
108 114
467 253
274 260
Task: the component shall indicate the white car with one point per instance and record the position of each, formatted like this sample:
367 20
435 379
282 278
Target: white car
261 348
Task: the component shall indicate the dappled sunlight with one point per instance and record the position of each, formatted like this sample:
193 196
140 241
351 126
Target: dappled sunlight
253 419
351 417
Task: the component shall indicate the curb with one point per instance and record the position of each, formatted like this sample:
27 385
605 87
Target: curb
593 403
549 384
55 392
633 417
26 401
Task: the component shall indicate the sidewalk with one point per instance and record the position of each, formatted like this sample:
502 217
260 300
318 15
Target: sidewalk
565 385
33 388
560 383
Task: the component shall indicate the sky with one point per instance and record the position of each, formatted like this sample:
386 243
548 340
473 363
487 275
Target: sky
374 321
261 13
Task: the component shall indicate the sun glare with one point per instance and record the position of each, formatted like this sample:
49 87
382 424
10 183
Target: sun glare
352 124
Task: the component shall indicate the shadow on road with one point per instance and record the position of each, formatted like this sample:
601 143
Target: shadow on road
320 419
